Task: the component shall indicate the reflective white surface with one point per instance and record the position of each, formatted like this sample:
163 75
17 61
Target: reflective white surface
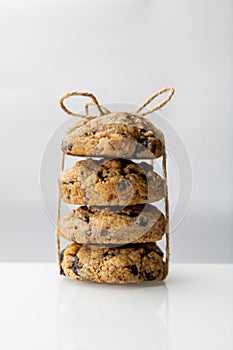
40 310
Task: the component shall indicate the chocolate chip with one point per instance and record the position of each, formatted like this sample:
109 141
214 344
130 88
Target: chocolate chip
105 254
100 175
142 222
68 197
133 269
149 276
91 209
145 142
133 215
70 147
159 252
76 267
84 218
124 162
143 176
75 227
141 139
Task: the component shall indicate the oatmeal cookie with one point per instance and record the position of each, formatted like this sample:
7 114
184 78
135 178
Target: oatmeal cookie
112 182
129 264
116 134
113 225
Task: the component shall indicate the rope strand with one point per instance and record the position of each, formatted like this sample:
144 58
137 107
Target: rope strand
77 93
88 104
58 247
158 106
164 163
103 110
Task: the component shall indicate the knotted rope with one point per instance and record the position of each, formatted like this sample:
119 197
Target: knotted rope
103 110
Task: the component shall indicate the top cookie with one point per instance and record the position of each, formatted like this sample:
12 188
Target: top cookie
116 134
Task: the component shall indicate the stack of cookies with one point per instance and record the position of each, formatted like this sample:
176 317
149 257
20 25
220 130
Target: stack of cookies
113 229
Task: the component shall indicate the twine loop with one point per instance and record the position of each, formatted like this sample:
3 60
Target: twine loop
88 104
103 110
77 93
161 104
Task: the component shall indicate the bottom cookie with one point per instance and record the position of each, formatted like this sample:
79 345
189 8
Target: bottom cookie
133 263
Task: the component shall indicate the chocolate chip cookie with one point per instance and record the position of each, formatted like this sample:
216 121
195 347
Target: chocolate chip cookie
113 225
116 134
112 182
129 264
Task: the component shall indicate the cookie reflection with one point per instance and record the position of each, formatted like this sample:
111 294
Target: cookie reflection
92 315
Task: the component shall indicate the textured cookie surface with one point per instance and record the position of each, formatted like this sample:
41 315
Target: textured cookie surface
129 264
112 182
113 225
117 134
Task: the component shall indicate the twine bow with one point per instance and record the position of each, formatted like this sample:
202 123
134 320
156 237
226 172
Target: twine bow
103 110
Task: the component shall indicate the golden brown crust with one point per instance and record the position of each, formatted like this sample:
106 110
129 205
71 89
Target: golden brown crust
112 182
128 264
113 226
116 134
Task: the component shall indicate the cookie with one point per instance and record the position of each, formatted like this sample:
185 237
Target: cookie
116 134
128 264
112 182
113 225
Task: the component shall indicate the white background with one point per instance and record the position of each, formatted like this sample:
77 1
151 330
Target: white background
122 51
